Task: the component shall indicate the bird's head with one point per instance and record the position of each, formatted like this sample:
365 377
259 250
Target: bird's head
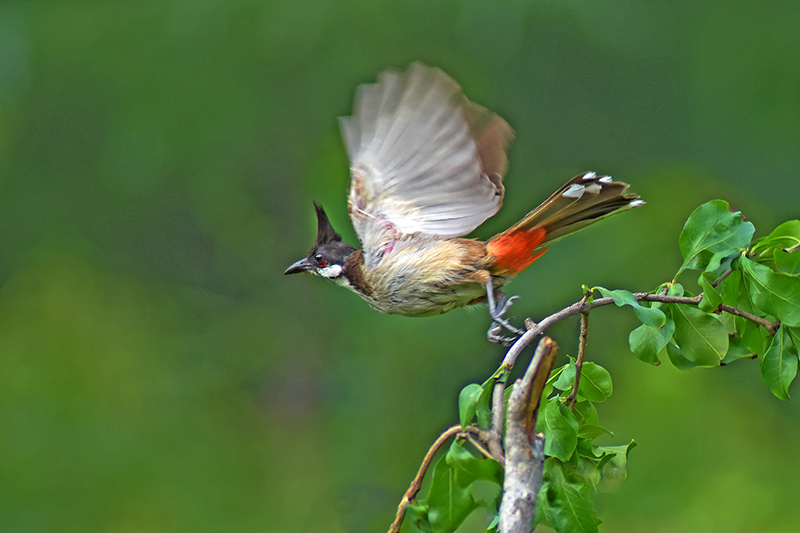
328 254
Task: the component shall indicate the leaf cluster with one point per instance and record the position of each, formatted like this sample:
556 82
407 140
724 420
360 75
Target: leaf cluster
748 305
465 479
576 467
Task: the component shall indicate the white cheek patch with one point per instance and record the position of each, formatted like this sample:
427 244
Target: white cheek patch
330 271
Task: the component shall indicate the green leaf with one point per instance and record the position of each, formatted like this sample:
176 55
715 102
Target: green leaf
566 378
702 338
732 287
647 315
586 468
754 337
677 358
585 289
572 509
545 514
776 293
591 431
555 374
484 407
585 450
595 382
711 297
720 262
494 526
737 349
417 514
646 342
788 262
560 431
675 289
779 366
585 412
663 288
737 294
468 403
619 453
794 334
483 478
615 469
470 467
449 503
712 229
785 236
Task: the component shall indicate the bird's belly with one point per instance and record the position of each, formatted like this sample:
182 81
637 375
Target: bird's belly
427 300
430 279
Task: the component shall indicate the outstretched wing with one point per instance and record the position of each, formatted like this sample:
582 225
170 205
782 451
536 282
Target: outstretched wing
423 159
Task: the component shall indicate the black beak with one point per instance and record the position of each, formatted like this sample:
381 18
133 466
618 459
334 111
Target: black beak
299 266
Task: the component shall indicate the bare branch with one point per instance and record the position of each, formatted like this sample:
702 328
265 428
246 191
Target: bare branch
524 450
722 277
771 327
579 361
416 483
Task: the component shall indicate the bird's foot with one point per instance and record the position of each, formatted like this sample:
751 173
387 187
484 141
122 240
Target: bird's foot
499 305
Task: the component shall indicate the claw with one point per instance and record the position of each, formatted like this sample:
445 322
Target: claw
506 303
494 335
499 339
499 305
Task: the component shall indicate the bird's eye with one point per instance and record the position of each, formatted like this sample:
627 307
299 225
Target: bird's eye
320 260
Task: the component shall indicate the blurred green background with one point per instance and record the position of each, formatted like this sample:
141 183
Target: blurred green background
158 160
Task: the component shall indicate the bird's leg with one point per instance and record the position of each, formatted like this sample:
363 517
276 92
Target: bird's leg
499 305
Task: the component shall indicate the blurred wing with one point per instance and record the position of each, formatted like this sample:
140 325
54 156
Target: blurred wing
423 159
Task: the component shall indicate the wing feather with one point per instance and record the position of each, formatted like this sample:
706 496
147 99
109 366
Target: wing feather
423 159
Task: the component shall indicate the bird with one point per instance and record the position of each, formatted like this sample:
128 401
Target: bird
427 168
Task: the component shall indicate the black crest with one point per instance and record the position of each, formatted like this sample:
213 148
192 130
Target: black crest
325 232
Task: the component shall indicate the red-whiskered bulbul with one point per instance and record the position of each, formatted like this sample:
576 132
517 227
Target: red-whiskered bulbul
426 169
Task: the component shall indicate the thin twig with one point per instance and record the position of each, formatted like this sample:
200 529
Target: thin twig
721 278
416 483
479 446
579 361
771 327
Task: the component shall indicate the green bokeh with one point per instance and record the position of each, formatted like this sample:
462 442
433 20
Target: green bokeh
158 160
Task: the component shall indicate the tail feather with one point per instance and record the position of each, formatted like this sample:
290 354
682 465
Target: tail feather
582 201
